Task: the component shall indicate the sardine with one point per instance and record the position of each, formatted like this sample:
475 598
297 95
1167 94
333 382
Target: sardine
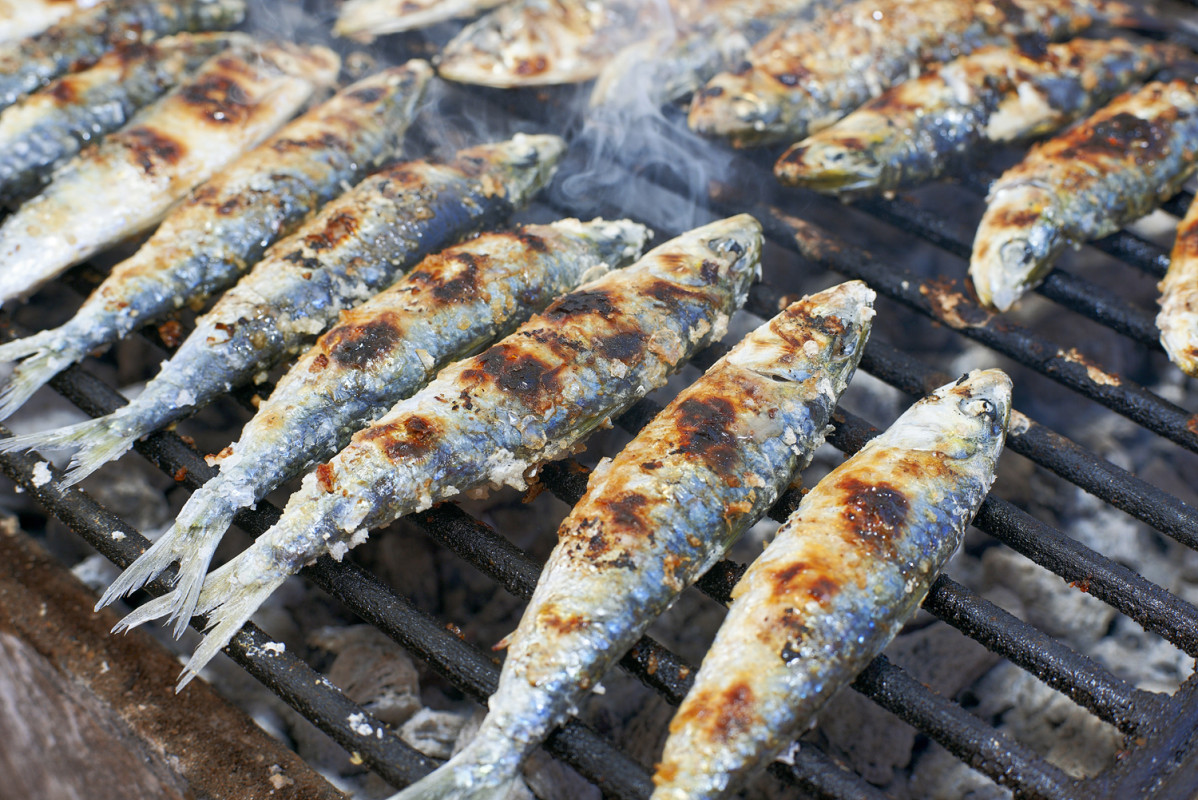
128 182
48 127
921 129
674 63
1089 181
658 516
357 245
539 42
20 19
365 19
1178 318
840 578
83 37
804 77
211 239
450 306
493 419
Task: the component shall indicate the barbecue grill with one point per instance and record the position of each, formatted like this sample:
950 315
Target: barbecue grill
1161 729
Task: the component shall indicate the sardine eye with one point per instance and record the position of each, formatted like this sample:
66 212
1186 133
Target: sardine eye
981 407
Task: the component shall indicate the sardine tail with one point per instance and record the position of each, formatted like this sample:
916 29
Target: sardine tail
41 358
158 607
97 442
238 602
198 531
73 438
470 775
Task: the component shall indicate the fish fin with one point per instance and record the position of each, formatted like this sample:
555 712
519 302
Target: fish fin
233 603
158 607
461 778
41 357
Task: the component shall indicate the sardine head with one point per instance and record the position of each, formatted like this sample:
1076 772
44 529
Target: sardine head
828 166
1016 243
966 420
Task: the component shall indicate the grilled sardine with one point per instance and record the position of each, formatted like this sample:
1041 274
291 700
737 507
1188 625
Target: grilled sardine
538 42
20 19
804 77
494 418
844 573
357 245
365 19
920 129
207 242
1086 183
658 516
127 183
53 124
28 65
451 305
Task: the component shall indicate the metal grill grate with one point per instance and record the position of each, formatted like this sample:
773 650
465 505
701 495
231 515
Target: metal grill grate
1166 725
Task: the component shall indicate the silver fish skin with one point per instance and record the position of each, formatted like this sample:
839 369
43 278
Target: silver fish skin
222 229
840 578
53 124
1178 317
658 516
1091 180
449 306
920 129
20 19
492 419
128 182
670 66
541 42
28 65
356 246
803 77
364 20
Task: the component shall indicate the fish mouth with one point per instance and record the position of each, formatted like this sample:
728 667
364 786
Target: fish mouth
1016 244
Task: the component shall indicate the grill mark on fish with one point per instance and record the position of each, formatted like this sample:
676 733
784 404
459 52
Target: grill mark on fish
653 519
357 345
804 77
96 200
1083 184
223 229
927 126
80 40
484 445
840 577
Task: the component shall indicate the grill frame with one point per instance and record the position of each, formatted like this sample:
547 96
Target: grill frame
1168 724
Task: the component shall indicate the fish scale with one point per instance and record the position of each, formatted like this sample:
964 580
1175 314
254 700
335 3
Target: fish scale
492 419
84 36
353 248
222 230
835 585
448 307
658 516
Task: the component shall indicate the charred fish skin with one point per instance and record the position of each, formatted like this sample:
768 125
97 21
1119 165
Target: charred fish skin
364 20
841 577
355 246
206 243
28 65
804 77
130 180
53 124
491 419
544 42
922 128
20 19
658 516
1178 317
450 306
1114 167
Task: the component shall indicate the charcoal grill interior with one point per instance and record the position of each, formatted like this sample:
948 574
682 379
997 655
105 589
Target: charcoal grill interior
814 242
